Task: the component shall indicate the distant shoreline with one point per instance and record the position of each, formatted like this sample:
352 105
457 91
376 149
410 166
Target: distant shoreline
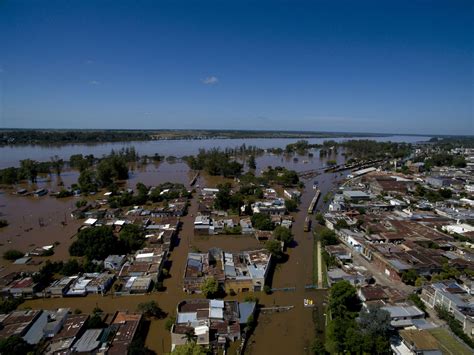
54 137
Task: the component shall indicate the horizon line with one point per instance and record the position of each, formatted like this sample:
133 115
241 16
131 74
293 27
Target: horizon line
235 130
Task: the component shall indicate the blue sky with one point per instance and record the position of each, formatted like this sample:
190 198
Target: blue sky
361 66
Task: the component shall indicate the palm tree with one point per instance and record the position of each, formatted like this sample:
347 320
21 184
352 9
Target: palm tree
190 336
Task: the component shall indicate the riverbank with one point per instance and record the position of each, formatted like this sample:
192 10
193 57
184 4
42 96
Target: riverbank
74 136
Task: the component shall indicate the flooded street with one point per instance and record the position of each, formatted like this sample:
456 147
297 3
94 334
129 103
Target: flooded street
293 331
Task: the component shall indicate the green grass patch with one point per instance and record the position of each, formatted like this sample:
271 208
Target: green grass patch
316 238
315 258
448 343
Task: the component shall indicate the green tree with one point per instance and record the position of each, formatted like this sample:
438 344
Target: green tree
223 197
210 287
170 322
57 164
420 281
142 194
151 309
87 181
78 161
71 267
105 173
45 274
10 176
262 221
420 190
95 322
328 237
341 224
317 347
112 168
95 243
353 339
291 205
375 321
409 277
459 162
274 248
137 347
81 203
320 218
132 237
15 345
417 301
251 162
283 234
336 334
251 324
9 304
446 193
343 300
30 169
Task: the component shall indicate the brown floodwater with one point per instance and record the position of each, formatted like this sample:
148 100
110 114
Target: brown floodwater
35 222
289 332
10 155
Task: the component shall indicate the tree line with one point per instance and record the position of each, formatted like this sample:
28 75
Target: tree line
76 136
215 162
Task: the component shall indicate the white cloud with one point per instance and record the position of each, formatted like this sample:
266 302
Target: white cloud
94 82
210 80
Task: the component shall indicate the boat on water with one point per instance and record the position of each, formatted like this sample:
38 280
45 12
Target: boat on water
307 224
308 302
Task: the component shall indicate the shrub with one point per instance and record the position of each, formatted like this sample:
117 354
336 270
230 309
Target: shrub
169 323
10 304
417 301
151 309
81 203
210 287
13 254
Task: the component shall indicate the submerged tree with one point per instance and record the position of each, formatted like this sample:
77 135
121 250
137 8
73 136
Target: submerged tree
251 162
30 169
57 164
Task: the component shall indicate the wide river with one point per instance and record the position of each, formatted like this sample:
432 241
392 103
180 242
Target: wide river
11 155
